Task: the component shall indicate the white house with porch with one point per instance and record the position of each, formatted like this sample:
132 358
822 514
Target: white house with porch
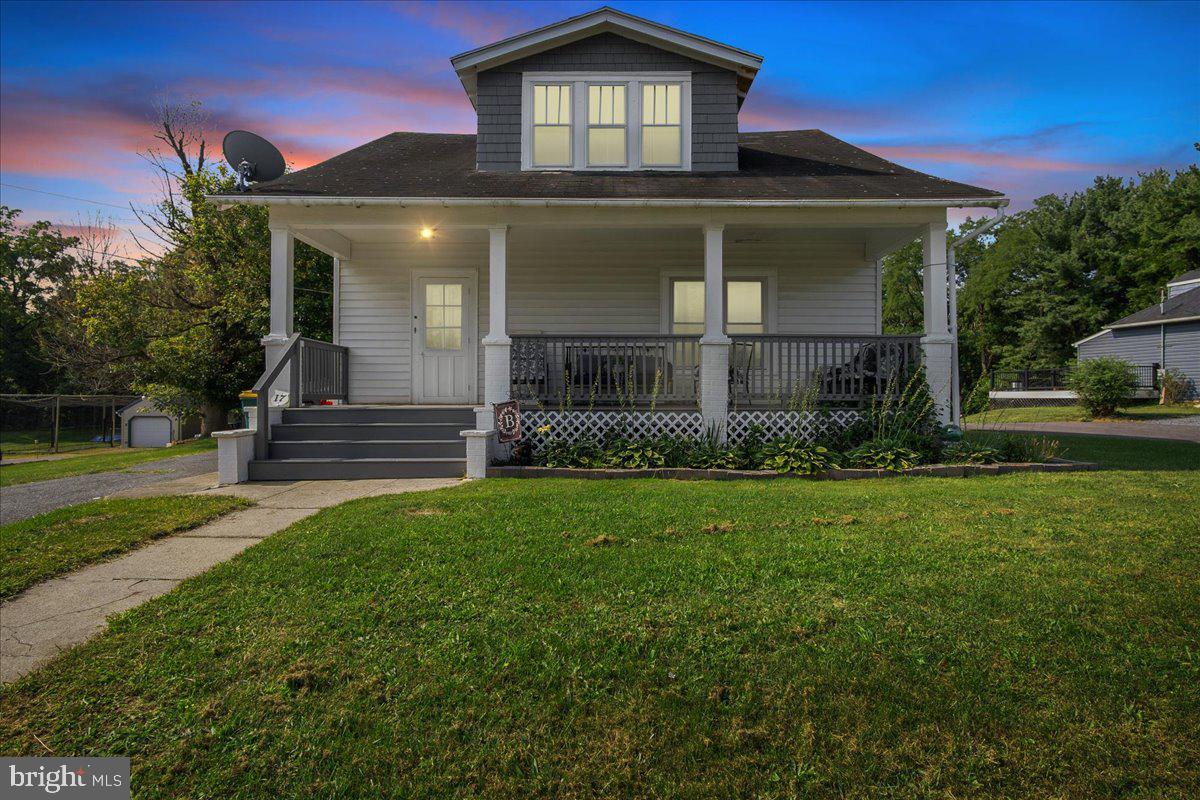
607 244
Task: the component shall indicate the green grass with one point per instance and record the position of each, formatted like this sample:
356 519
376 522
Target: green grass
1114 452
36 549
38 442
1019 636
1142 412
91 462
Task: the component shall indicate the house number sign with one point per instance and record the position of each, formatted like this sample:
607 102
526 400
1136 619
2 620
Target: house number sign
508 421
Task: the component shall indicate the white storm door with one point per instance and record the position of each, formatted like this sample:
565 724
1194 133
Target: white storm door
444 339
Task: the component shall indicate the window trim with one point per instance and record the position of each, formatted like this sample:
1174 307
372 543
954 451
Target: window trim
570 126
767 276
579 117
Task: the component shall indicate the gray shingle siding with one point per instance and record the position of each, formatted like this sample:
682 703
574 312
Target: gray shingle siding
714 98
1183 353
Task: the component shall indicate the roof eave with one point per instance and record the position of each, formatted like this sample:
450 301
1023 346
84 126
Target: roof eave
680 202
1165 321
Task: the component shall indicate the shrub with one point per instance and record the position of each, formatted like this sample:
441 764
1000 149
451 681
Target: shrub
888 454
905 416
791 454
1175 385
1103 384
565 453
967 452
1027 449
638 454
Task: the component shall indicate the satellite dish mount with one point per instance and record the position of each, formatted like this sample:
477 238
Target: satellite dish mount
252 157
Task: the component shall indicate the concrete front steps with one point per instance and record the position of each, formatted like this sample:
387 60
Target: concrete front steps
348 442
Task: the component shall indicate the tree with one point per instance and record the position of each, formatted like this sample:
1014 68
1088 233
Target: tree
35 261
188 322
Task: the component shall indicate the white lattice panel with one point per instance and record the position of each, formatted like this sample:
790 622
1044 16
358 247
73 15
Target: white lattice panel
805 424
597 424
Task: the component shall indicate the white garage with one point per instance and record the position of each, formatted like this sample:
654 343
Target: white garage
144 424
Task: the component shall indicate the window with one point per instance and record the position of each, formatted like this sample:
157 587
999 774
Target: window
606 121
443 316
745 306
606 126
662 127
552 125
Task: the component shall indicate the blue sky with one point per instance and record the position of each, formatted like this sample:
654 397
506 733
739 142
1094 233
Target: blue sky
1028 98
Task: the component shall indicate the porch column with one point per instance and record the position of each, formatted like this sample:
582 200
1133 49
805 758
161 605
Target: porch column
938 341
496 345
283 257
714 344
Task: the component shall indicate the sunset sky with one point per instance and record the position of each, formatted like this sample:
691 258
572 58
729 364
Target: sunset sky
1025 98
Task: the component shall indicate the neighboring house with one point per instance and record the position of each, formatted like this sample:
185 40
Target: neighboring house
608 241
144 424
1167 333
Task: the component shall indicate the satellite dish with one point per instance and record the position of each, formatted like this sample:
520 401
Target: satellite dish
252 157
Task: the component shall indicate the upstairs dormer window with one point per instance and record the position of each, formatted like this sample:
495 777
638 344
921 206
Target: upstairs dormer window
607 121
552 125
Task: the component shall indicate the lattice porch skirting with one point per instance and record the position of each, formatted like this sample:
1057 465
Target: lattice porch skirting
572 425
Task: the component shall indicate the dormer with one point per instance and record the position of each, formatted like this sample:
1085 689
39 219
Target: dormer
607 92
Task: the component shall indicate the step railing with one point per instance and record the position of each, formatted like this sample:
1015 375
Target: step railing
317 371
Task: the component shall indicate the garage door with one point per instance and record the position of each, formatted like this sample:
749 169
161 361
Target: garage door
149 432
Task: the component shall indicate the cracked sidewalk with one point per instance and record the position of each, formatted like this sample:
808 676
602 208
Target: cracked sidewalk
62 612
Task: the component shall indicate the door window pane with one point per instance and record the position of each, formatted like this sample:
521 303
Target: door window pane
443 316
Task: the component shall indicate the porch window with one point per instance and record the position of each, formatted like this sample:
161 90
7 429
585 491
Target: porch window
745 306
443 316
552 125
662 127
606 145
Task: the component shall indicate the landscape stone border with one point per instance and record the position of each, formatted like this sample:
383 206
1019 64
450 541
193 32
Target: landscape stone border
687 474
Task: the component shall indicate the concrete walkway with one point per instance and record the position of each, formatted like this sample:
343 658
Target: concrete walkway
1130 430
63 612
29 499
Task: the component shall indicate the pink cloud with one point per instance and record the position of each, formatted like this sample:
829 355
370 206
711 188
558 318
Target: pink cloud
985 158
475 23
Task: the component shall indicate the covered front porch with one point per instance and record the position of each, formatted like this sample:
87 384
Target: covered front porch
593 308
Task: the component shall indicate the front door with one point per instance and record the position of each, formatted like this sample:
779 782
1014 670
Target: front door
444 339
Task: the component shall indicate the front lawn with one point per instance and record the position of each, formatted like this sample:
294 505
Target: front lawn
36 549
89 462
1141 412
1019 636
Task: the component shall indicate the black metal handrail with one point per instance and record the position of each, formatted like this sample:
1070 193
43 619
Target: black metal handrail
318 371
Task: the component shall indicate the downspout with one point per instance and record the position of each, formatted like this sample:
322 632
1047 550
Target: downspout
952 265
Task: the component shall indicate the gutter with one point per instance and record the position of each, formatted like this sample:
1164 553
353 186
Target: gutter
225 200
1170 321
952 269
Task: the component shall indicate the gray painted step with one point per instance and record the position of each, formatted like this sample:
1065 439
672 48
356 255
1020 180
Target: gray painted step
317 469
463 415
291 432
370 448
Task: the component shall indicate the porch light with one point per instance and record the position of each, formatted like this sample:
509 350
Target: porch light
426 233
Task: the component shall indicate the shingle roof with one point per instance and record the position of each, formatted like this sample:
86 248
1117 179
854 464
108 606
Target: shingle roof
1181 306
779 165
1191 275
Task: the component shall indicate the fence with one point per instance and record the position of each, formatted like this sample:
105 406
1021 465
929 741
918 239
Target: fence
54 423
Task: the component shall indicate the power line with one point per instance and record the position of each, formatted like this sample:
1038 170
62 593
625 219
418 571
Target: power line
69 197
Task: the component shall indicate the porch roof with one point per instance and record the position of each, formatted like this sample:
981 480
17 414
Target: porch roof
773 166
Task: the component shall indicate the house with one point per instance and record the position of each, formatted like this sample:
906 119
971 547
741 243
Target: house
144 424
1166 334
607 244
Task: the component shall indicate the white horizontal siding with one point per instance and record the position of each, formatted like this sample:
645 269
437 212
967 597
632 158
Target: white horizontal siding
586 281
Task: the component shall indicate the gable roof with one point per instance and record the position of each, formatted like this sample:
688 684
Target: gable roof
602 20
779 166
1183 307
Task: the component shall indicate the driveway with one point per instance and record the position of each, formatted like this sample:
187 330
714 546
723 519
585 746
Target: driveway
1180 429
28 499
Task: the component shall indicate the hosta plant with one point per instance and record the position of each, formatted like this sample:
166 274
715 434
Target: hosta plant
883 454
789 454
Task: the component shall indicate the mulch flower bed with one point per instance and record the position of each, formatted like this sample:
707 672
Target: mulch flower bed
686 474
